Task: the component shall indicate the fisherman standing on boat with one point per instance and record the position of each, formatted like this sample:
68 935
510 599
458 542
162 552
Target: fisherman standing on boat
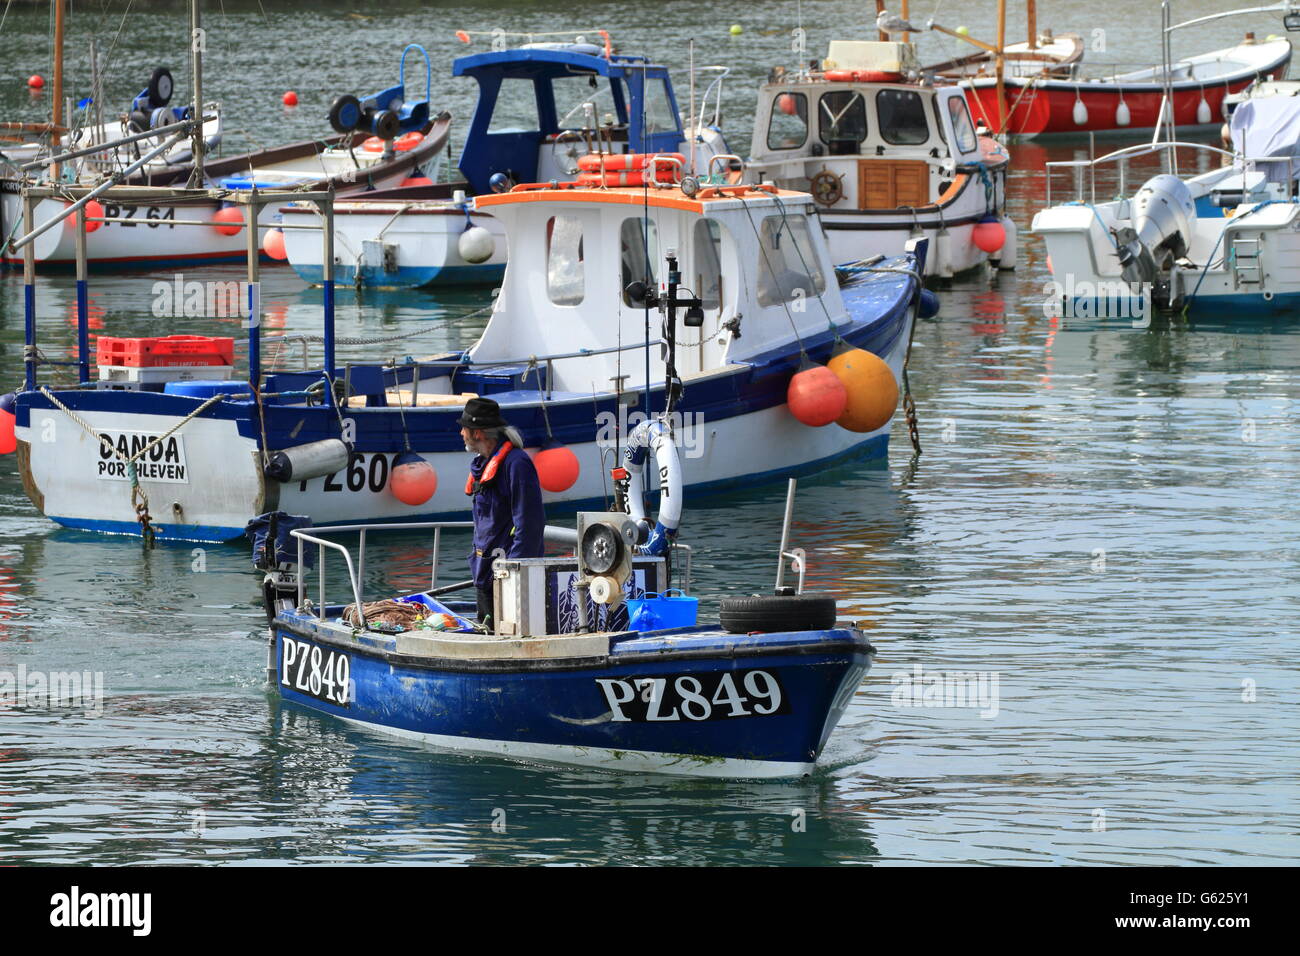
507 498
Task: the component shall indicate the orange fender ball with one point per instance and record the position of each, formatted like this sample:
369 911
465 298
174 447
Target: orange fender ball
989 236
414 480
91 211
290 98
557 467
229 220
872 388
36 81
816 396
273 244
8 440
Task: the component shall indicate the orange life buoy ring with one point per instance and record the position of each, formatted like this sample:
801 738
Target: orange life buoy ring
628 169
839 76
877 76
404 142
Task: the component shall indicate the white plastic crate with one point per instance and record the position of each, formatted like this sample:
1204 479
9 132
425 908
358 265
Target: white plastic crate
172 373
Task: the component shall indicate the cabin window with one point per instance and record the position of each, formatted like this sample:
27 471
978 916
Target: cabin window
787 128
961 124
938 121
659 114
516 107
842 120
901 116
788 267
573 93
565 283
639 253
708 263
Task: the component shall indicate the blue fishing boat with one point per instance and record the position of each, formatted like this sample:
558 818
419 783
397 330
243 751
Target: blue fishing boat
717 303
541 107
754 696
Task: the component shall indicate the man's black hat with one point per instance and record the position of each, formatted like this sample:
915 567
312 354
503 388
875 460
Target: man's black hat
482 413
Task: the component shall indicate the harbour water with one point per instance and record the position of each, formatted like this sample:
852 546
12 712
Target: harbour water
1098 543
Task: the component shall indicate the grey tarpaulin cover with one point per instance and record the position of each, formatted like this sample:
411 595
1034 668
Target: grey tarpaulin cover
1269 126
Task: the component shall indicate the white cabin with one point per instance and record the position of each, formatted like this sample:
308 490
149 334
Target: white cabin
760 266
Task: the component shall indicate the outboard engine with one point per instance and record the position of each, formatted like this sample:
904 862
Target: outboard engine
385 114
1163 214
275 552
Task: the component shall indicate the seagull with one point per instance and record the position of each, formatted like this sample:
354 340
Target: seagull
892 23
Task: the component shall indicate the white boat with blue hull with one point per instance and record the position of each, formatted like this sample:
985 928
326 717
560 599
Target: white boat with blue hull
1227 239
736 699
564 353
579 98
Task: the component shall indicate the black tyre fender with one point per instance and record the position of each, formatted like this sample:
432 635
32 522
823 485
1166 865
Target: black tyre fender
160 86
780 612
345 114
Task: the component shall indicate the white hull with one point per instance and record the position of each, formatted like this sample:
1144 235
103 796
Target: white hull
393 245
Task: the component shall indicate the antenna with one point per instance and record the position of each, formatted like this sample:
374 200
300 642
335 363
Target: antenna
691 132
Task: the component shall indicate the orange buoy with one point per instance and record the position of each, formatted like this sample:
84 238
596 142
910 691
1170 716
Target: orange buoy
290 98
557 467
816 396
988 235
462 36
373 145
787 104
36 81
91 212
229 220
414 480
273 244
871 387
8 439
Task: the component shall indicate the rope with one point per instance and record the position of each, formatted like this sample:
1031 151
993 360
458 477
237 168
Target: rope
139 500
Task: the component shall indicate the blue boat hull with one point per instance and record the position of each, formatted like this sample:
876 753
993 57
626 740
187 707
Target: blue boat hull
700 703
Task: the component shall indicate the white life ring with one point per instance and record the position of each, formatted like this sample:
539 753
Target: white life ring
657 437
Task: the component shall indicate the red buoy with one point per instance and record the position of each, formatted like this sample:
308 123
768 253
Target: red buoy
988 235
290 98
229 220
816 396
414 480
557 467
36 81
462 36
92 211
273 244
8 440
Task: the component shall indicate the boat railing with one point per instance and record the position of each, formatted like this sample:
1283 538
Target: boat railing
714 91
464 362
356 572
553 534
1121 157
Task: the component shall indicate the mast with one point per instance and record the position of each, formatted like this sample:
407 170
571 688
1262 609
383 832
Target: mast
1000 64
56 119
880 8
196 61
907 37
1031 11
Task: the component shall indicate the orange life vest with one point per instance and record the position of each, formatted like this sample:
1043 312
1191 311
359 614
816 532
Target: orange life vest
489 472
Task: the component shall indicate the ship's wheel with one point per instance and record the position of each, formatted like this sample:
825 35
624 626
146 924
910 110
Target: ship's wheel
826 188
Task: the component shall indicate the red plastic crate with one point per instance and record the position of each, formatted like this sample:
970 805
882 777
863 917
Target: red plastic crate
167 351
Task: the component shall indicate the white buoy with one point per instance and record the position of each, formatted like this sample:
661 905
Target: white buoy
1080 113
1122 117
1010 248
1204 116
476 245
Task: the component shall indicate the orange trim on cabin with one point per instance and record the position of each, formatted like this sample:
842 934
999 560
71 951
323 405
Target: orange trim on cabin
627 195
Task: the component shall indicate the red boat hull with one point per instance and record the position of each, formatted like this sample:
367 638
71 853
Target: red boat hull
1048 107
